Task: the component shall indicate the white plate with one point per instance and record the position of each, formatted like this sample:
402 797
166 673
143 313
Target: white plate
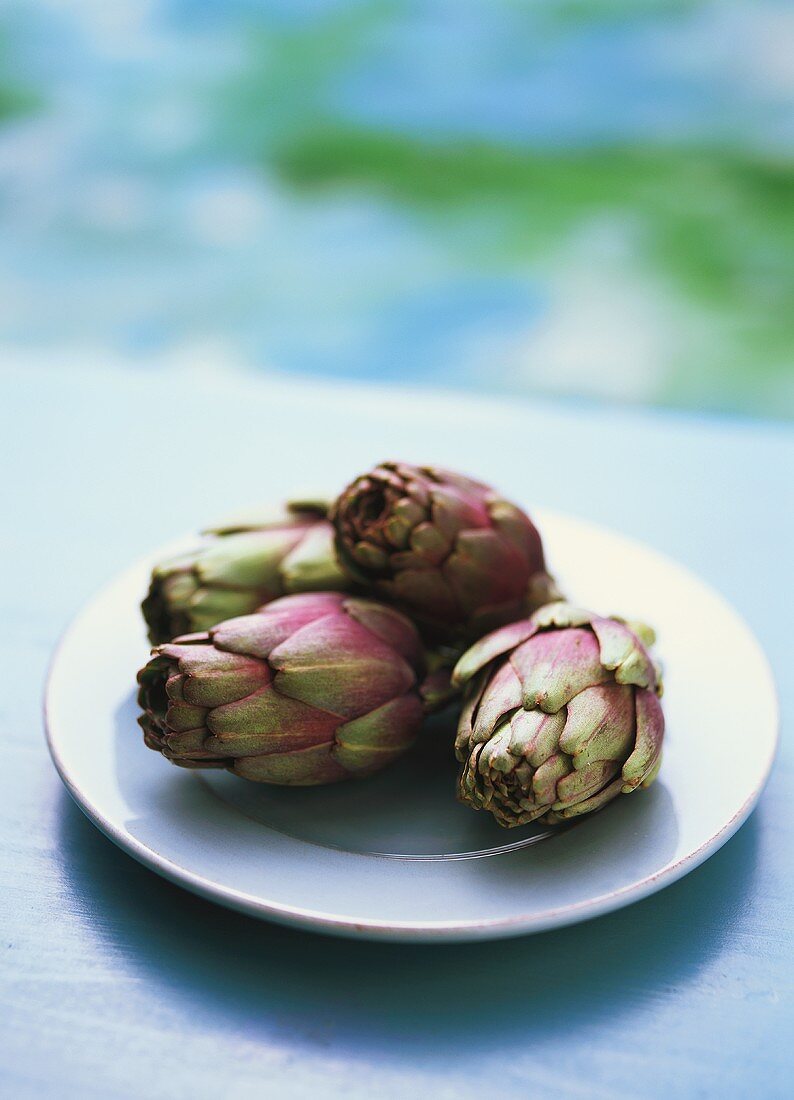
396 857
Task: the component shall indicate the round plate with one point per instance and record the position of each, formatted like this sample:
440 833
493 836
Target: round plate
395 856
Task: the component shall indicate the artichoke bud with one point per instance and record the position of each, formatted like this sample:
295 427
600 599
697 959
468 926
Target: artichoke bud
314 688
561 714
244 564
444 548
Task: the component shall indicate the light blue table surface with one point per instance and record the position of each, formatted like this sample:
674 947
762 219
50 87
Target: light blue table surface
117 984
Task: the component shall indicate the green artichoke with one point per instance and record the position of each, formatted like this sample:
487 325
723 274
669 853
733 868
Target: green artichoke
561 715
312 689
445 549
248 564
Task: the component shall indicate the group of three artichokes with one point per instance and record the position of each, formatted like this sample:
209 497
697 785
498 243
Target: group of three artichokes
306 647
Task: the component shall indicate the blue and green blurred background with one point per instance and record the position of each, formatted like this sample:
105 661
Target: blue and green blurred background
586 198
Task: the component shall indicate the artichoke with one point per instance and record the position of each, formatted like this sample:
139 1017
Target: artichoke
561 715
312 689
447 550
248 564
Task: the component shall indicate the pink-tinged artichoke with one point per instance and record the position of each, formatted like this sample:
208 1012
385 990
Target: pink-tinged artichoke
312 689
246 565
561 715
447 550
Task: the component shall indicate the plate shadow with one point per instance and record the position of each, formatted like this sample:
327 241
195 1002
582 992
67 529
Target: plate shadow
262 979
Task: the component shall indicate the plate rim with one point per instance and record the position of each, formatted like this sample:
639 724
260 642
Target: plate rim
412 931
